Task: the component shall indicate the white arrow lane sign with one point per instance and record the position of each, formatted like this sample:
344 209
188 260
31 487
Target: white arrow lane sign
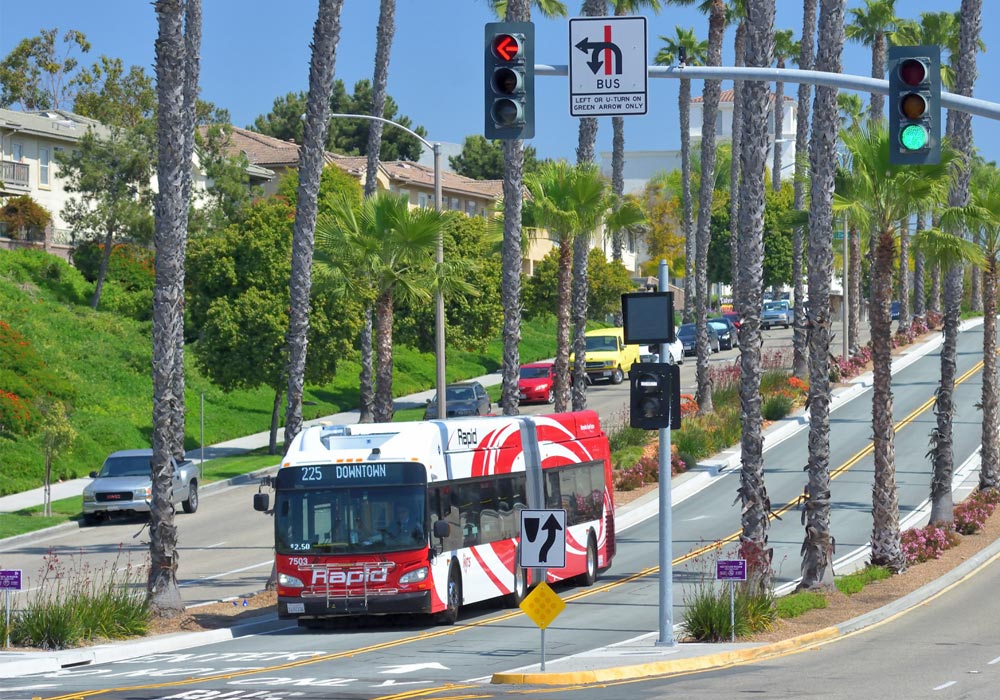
543 539
607 66
410 668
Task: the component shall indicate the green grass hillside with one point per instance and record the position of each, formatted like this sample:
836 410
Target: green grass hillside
53 344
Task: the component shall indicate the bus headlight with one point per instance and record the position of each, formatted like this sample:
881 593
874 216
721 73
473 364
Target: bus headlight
415 576
289 581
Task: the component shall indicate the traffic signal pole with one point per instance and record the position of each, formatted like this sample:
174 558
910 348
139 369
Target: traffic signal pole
970 105
666 637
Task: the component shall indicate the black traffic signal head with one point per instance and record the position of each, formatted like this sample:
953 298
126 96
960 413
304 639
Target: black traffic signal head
650 398
509 78
914 105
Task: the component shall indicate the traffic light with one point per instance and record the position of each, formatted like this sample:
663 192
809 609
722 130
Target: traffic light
914 105
651 395
509 77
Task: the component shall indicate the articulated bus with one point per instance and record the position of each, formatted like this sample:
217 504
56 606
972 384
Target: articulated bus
424 517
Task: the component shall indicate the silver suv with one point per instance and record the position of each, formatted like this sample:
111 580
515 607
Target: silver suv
124 485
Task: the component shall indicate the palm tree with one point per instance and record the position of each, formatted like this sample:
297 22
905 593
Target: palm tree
883 195
736 12
804 62
753 494
986 198
870 26
624 7
326 33
569 202
716 27
175 48
510 254
960 136
852 111
784 48
817 547
389 246
384 33
581 249
695 52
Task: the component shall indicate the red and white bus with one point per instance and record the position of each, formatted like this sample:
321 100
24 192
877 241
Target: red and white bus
343 494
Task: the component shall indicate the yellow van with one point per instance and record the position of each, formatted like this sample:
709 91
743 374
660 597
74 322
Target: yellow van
608 357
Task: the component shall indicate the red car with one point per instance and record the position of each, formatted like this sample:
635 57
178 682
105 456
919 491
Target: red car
535 383
734 318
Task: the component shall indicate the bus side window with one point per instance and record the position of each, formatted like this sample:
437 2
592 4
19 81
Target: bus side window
469 508
553 496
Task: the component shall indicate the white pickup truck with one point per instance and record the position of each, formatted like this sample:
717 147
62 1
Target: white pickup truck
124 485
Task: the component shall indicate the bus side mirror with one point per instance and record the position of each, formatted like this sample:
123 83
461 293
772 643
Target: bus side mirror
260 502
441 529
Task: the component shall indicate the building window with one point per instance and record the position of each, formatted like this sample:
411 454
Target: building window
43 167
422 200
470 207
16 152
405 194
456 204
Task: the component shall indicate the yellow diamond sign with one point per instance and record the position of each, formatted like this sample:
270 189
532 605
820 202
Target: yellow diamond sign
542 605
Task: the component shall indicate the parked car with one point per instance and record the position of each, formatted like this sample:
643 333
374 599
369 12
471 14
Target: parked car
124 486
687 333
608 357
894 311
776 313
651 353
461 399
726 332
535 383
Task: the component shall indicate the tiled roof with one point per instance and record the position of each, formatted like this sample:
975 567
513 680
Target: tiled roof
727 96
260 149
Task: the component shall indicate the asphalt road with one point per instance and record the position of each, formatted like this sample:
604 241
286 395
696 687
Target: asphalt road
384 658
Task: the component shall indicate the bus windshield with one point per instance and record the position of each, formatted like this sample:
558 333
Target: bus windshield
349 520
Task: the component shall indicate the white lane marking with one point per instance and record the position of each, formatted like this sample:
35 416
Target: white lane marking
945 685
410 668
192 582
993 661
37 686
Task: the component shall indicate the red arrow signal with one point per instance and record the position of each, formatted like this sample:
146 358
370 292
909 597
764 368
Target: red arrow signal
506 47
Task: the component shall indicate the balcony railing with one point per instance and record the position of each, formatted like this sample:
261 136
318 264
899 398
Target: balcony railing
14 175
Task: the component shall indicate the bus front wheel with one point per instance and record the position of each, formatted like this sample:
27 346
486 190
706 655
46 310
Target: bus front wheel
454 601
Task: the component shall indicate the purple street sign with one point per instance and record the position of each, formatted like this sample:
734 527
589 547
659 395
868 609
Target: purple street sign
10 579
731 570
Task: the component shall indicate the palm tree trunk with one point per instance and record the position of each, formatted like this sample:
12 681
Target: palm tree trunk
904 275
739 45
578 313
272 437
756 505
618 158
779 114
560 368
716 27
975 285
687 224
384 33
989 473
799 338
366 377
817 547
878 71
854 282
970 26
886 544
935 300
383 357
326 33
168 294
919 277
510 275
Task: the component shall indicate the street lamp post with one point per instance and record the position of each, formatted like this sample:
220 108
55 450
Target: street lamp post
439 257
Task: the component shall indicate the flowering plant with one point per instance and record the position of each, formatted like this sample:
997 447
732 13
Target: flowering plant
922 544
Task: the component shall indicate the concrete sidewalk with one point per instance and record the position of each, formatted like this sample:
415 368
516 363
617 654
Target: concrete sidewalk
634 658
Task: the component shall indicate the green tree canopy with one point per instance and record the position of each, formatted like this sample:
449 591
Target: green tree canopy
482 159
346 136
36 73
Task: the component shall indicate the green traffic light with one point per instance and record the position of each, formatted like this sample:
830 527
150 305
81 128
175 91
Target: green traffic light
913 137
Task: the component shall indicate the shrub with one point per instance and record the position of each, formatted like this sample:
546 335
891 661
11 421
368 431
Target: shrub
24 218
972 513
922 544
853 583
776 406
707 614
796 604
131 266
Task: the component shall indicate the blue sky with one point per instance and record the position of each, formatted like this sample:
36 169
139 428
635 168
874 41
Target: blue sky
254 51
